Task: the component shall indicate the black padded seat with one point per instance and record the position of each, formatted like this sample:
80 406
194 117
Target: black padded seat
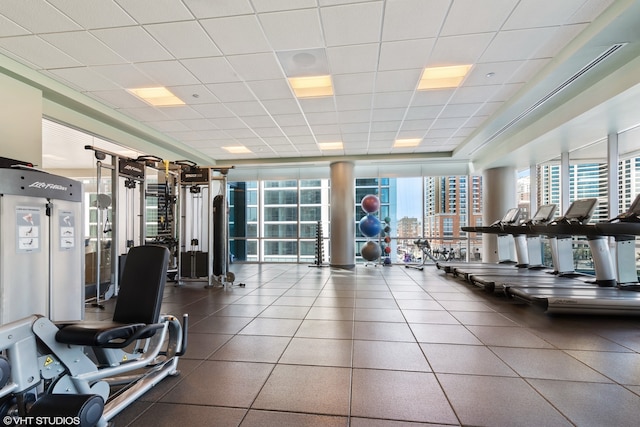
137 309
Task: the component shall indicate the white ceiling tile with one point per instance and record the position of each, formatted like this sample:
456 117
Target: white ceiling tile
225 123
258 66
198 124
213 111
354 102
246 108
276 141
392 99
350 84
542 13
290 120
360 58
386 125
589 11
294 29
125 75
528 70
276 5
231 92
296 131
413 19
168 126
212 9
271 89
269 132
460 110
417 128
475 94
317 105
259 121
420 113
332 130
9 28
355 138
184 39
346 128
84 47
475 121
397 81
432 97
399 55
85 79
507 91
281 106
516 45
502 72
473 16
455 50
448 123
237 34
211 70
194 94
120 98
168 73
180 112
37 16
488 108
37 51
563 35
382 136
93 14
246 134
355 116
325 118
352 24
150 11
338 2
441 133
133 44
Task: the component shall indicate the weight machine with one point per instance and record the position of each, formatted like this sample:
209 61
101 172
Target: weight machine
204 225
122 207
425 247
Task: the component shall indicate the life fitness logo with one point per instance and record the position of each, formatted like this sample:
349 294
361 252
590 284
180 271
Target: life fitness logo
48 186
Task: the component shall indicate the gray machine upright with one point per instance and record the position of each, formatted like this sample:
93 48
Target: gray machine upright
41 246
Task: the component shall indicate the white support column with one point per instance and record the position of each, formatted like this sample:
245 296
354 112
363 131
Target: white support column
565 195
612 175
342 234
499 188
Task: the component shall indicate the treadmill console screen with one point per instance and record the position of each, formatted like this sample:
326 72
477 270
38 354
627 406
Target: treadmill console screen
634 209
581 210
544 213
511 216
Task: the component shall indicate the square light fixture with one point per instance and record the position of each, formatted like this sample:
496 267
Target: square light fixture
237 149
157 96
443 77
311 86
330 145
407 142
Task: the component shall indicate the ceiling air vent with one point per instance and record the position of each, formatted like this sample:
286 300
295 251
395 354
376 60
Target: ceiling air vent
600 58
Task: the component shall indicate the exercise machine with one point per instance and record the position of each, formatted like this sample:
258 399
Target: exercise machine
425 247
41 245
45 370
204 225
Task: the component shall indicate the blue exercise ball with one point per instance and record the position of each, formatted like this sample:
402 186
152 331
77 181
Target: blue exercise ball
370 251
370 226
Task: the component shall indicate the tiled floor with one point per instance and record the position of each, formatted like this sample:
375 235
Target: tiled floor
387 346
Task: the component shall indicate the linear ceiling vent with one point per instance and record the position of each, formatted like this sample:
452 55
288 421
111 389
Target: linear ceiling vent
599 59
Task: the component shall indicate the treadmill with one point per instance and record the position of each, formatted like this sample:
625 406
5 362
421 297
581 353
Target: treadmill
623 298
505 257
528 248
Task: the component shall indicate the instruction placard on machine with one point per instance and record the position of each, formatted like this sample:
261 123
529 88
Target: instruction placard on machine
28 229
66 222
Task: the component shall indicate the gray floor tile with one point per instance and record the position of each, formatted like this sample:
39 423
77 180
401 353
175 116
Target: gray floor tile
399 356
623 368
274 327
200 346
330 313
221 383
256 418
465 359
508 337
482 318
397 395
220 325
595 405
379 315
383 331
310 389
252 348
339 329
318 351
498 401
443 334
285 312
168 415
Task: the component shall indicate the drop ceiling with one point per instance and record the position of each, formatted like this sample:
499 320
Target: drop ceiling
228 61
